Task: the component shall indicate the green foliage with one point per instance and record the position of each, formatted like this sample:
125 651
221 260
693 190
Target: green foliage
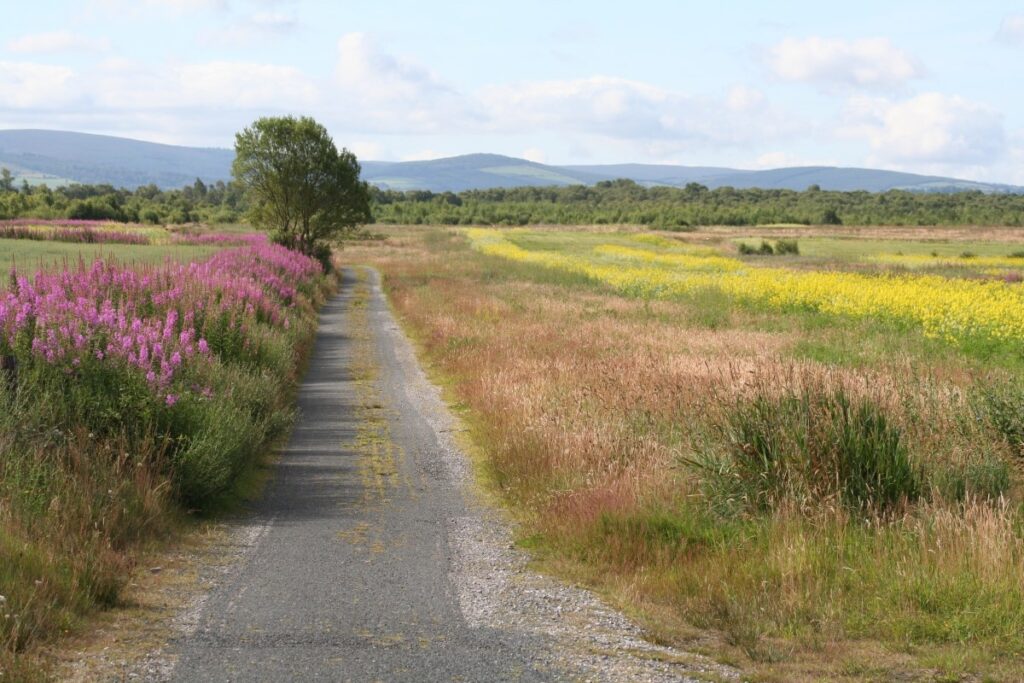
988 478
1002 405
626 202
783 247
809 448
216 203
831 217
297 183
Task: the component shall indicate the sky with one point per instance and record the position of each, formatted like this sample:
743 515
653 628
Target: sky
927 87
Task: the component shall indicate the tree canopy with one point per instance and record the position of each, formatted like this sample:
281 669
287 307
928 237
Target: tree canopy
297 184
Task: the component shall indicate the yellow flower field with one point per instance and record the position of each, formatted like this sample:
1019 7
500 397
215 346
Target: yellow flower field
951 309
926 261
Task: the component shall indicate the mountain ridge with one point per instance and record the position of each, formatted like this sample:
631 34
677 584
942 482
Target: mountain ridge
64 157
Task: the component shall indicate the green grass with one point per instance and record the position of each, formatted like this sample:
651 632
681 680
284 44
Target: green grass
32 255
855 248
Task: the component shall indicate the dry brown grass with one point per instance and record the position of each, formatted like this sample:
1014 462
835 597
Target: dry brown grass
584 402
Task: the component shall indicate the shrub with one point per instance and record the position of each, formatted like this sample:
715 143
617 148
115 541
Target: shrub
831 217
765 249
787 247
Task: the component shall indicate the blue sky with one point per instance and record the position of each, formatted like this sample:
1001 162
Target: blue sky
931 87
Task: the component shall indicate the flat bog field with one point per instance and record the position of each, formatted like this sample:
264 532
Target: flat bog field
796 450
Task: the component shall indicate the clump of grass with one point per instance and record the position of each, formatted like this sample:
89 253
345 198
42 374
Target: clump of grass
1001 403
810 447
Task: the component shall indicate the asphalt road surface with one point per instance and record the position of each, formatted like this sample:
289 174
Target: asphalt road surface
369 561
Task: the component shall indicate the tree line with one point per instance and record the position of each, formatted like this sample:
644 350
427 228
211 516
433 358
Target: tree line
609 203
626 202
218 202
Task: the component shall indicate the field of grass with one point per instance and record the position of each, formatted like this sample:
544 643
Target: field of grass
32 255
808 488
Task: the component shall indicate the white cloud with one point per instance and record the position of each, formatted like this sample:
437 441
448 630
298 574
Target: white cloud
25 85
744 98
244 85
869 62
775 160
377 75
534 154
1011 30
382 92
56 41
366 149
622 109
931 128
220 85
249 29
423 155
174 6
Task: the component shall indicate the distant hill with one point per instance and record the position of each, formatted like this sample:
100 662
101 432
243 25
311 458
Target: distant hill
59 157
481 171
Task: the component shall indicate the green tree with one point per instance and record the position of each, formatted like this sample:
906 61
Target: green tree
6 180
297 183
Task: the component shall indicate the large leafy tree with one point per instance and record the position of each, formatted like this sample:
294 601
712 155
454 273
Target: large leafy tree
298 184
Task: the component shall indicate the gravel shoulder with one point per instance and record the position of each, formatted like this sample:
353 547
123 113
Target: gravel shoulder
371 558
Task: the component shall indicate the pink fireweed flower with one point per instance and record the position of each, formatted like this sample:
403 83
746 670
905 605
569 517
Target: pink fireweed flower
132 316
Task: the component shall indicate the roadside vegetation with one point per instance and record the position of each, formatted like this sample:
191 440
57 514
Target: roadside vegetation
833 491
137 392
128 395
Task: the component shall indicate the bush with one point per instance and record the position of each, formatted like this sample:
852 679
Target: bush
787 247
765 249
322 252
831 217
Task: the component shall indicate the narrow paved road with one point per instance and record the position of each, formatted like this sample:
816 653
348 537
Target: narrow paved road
369 559
350 577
